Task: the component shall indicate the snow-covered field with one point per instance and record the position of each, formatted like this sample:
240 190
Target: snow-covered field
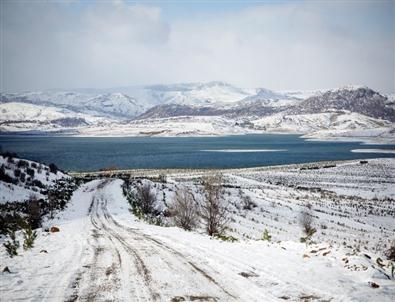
104 253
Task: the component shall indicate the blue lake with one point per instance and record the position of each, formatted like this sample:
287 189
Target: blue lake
88 154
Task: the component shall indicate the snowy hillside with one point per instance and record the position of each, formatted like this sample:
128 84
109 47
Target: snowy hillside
358 99
114 105
172 126
16 117
303 123
271 98
101 251
197 94
21 179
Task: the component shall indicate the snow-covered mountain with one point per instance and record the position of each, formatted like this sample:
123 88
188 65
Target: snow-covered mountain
271 98
358 99
127 110
303 123
29 117
113 105
197 94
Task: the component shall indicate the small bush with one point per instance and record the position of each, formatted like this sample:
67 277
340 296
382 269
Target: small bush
22 177
30 172
4 176
29 236
23 164
306 222
213 210
247 202
390 253
307 239
38 183
17 173
12 245
53 168
224 237
266 236
145 199
34 213
184 210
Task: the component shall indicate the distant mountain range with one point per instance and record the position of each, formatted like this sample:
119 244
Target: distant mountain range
252 110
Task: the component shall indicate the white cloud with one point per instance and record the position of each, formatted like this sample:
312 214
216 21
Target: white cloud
287 46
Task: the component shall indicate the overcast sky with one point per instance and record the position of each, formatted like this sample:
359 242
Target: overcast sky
277 45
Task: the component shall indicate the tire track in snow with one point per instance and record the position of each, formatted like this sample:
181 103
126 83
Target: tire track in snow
183 262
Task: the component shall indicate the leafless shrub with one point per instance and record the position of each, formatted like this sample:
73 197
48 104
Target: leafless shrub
145 199
306 221
247 202
184 210
34 212
390 253
51 204
213 211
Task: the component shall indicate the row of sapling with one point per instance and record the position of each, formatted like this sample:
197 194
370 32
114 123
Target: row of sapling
185 210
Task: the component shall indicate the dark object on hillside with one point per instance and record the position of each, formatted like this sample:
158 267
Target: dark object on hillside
374 285
54 229
34 213
184 210
390 253
6 270
363 162
53 168
9 154
213 211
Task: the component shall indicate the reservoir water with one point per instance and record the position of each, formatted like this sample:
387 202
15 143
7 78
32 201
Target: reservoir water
94 153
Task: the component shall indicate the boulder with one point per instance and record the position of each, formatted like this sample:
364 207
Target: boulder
54 229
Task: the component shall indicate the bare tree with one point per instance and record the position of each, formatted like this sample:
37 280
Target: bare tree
145 199
34 212
390 253
51 204
213 211
184 210
306 222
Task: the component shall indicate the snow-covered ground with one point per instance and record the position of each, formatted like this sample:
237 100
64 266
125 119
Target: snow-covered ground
330 126
104 253
16 117
173 126
23 184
